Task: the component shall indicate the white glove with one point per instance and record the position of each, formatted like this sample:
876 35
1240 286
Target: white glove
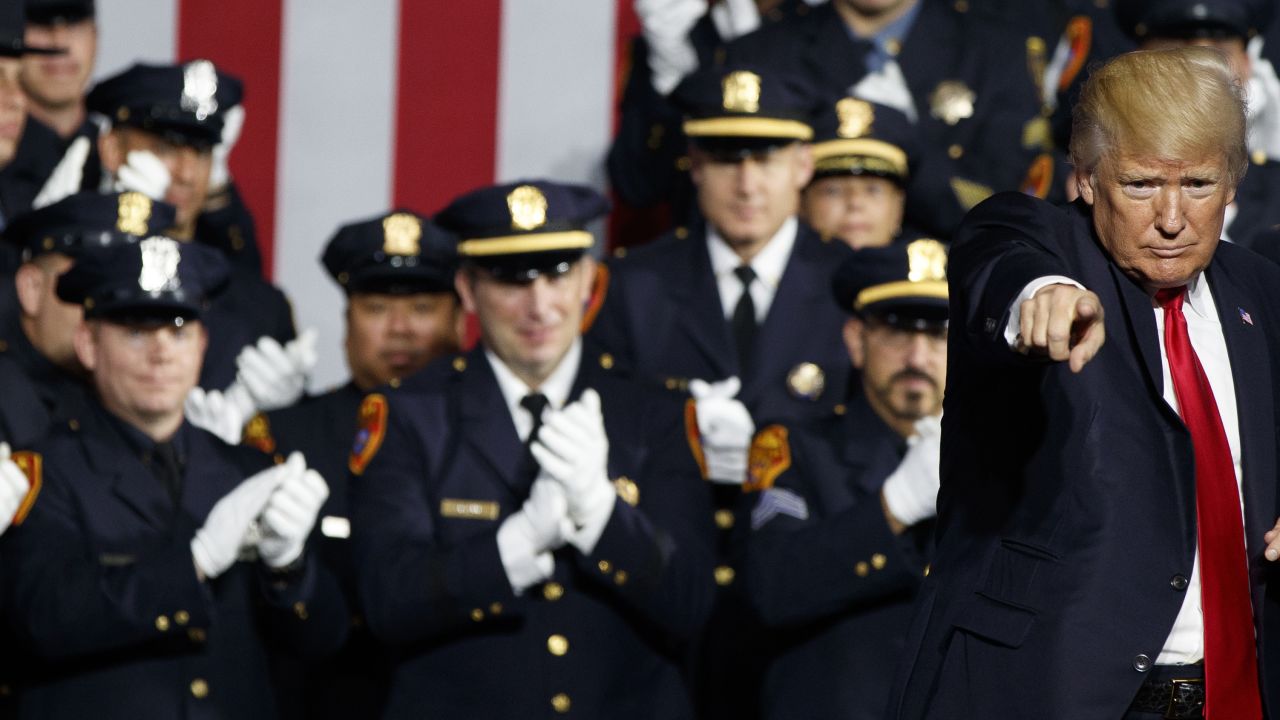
887 87
666 25
1264 103
726 429
66 176
213 411
13 487
527 537
226 530
735 18
275 376
911 492
289 516
145 173
573 449
220 171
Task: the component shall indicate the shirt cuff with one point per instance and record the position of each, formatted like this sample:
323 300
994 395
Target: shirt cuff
1012 329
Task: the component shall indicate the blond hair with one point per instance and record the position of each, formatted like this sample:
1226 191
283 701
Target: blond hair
1177 103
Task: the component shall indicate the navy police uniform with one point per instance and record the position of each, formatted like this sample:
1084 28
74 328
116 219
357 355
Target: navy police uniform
105 597
441 466
831 583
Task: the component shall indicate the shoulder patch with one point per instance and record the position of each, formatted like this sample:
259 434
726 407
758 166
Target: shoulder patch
1080 41
599 289
769 457
694 436
257 434
371 425
32 465
1039 176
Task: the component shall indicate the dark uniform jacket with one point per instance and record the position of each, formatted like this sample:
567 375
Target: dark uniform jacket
103 593
605 637
830 582
39 150
246 310
1066 519
969 82
351 683
37 395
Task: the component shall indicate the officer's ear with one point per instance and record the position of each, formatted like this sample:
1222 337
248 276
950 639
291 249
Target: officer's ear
86 344
586 278
29 282
464 283
854 341
802 165
111 150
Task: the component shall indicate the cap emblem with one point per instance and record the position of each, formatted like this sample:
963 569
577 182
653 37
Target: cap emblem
855 116
528 208
199 87
160 258
927 261
741 92
401 233
133 213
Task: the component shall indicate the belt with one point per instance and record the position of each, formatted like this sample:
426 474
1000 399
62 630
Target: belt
1178 694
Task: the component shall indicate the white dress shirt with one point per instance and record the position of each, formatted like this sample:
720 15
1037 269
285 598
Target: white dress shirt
769 264
556 387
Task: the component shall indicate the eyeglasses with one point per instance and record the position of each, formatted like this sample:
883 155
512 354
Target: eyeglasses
895 337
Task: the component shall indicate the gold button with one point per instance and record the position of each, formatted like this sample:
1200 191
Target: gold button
300 609
73 424
955 152
1259 157
861 569
343 278
724 519
620 577
927 568
878 561
724 575
620 252
839 409
196 635
182 617
558 645
672 383
199 688
162 623
627 490
560 702
684 163
553 591
394 382
477 614
459 364
606 361
495 608
893 46
682 232
605 566
962 6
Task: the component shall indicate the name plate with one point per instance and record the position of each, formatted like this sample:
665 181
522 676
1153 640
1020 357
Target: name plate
469 509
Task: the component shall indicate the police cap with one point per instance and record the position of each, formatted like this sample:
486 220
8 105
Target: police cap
904 283
857 137
396 253
1144 19
13 27
738 110
524 229
88 220
185 103
53 12
157 279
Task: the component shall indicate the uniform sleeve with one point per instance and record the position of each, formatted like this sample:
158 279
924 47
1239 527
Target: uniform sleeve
411 586
656 554
306 608
67 600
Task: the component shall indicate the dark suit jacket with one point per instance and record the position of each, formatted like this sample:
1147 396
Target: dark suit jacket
833 589
1066 525
105 600
433 583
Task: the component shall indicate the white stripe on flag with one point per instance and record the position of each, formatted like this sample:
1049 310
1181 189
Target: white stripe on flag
130 31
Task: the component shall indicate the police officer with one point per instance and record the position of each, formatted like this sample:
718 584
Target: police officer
126 588
56 84
529 530
841 524
863 157
41 379
960 76
397 271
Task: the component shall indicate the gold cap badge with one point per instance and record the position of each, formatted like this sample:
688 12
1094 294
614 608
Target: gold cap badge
133 213
401 233
160 258
952 101
927 260
741 92
528 208
855 117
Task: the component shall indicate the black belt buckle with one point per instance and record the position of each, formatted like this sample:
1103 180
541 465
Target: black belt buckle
1186 699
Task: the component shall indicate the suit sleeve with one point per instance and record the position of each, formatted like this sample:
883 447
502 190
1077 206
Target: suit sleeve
412 587
656 555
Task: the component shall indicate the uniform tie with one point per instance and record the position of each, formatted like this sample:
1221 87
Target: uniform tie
744 319
535 403
167 468
1230 653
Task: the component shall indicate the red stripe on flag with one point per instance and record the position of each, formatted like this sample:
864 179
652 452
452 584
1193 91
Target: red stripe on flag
242 37
447 100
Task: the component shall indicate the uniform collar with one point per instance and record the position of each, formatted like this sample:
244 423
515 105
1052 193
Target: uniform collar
556 387
769 263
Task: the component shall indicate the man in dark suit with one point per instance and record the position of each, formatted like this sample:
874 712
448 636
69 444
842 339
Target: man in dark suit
1092 556
841 528
126 591
530 530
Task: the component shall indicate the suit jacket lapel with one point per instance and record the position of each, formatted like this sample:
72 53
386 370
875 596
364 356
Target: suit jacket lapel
1146 336
693 290
485 421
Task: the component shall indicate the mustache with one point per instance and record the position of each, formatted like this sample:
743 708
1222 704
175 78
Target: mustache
910 374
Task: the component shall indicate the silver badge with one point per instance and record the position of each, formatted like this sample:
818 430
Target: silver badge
199 87
160 257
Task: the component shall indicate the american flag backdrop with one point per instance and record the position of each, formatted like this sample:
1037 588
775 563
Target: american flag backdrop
353 108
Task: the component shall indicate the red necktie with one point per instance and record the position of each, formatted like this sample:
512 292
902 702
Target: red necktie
1230 655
